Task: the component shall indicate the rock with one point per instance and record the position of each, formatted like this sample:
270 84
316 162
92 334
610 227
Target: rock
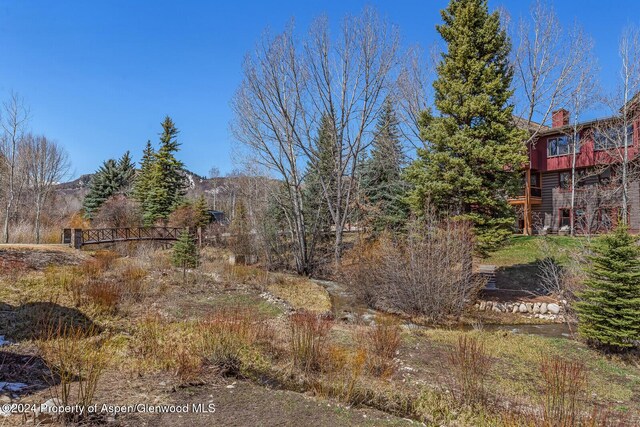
5 399
483 305
522 308
47 407
553 308
543 308
536 308
476 306
529 307
515 309
496 308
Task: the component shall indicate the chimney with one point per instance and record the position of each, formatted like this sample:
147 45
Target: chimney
559 118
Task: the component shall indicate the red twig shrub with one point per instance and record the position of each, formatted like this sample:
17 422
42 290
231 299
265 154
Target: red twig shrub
308 339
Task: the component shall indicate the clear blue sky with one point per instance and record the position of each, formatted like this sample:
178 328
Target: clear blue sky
101 75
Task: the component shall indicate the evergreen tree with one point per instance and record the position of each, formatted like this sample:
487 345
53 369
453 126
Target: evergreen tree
609 310
185 253
473 148
127 172
113 177
383 187
142 179
202 212
162 186
323 170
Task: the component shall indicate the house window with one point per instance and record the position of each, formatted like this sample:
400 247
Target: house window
565 217
564 179
535 180
561 146
613 137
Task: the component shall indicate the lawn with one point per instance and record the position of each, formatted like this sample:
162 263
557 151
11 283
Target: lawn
529 249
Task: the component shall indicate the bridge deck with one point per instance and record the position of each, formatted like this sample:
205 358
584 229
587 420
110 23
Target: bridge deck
79 237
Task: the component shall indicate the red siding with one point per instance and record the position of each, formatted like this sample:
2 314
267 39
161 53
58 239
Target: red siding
587 156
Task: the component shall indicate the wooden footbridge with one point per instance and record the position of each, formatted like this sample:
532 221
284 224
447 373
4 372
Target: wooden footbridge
77 237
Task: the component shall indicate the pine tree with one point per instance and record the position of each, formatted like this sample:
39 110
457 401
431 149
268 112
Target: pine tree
473 147
383 187
162 185
113 177
609 310
185 253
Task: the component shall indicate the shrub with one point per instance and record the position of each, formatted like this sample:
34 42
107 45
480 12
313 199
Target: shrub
469 365
565 384
118 211
185 253
104 295
308 339
72 355
609 310
428 272
230 336
382 342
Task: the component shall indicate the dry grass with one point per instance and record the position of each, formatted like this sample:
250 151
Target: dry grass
301 294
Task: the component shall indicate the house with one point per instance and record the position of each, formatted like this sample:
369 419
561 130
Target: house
544 203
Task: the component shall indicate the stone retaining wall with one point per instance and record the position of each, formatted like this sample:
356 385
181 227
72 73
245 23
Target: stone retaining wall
538 310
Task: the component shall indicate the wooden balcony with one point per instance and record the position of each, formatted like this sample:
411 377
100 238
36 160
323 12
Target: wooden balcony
534 199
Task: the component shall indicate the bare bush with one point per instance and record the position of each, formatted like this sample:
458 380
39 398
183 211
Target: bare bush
565 385
469 363
382 341
428 272
74 356
308 340
118 211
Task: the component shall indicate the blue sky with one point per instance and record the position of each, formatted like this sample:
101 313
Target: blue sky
100 76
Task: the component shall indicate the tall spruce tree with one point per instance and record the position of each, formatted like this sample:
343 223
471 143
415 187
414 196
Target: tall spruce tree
383 187
473 147
113 177
142 179
320 172
609 310
161 184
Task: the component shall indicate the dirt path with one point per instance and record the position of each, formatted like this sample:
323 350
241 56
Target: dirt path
245 404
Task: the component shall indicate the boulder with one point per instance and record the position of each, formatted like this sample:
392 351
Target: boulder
536 308
515 309
529 307
543 308
483 305
522 308
553 308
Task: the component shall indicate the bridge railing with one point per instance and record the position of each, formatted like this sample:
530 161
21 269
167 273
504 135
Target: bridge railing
78 237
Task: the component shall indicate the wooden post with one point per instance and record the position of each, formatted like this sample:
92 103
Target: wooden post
66 236
77 238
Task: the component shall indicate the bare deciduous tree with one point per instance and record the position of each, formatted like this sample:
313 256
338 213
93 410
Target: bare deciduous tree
46 164
289 84
546 63
614 135
14 120
583 95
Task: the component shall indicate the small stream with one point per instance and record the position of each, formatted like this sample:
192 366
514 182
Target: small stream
346 307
